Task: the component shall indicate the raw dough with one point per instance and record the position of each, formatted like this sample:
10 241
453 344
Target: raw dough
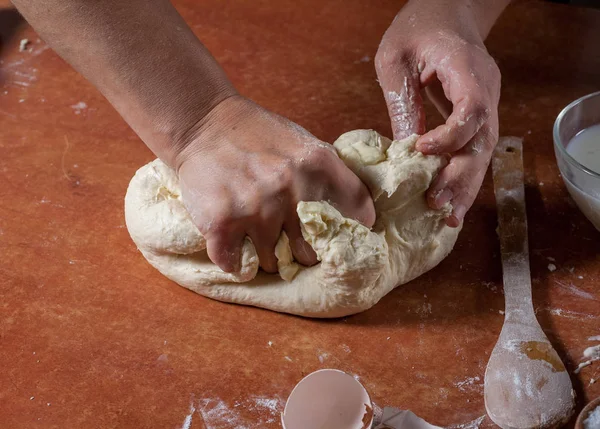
358 266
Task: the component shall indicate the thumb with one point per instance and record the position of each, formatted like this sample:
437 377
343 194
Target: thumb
401 90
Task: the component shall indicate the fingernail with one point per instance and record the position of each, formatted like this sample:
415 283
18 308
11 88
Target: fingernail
426 146
457 216
235 263
227 268
442 197
452 221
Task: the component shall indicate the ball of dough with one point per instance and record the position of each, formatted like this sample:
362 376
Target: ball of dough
357 266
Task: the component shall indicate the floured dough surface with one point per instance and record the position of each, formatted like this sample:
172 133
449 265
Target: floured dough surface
357 266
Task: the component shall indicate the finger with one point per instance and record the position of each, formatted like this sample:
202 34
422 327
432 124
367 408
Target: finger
265 233
473 96
366 213
265 239
224 249
459 182
401 86
357 202
468 116
303 253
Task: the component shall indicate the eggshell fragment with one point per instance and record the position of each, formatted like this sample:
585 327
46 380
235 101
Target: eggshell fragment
328 399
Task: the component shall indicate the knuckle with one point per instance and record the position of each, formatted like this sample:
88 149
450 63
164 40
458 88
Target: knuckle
494 71
495 77
388 58
383 60
221 223
318 158
463 187
489 138
480 109
282 177
484 141
361 202
219 228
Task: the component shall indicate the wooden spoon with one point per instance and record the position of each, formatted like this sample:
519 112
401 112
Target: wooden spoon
526 383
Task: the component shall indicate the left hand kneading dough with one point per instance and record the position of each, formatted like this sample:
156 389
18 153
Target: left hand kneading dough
357 266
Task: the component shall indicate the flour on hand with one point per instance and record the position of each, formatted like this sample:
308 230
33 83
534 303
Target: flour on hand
357 266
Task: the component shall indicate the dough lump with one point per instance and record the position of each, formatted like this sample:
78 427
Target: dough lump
357 266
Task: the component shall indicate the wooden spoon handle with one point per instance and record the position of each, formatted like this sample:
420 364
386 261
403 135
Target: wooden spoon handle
509 189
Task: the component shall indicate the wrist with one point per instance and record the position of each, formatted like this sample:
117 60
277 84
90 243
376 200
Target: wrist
200 136
180 123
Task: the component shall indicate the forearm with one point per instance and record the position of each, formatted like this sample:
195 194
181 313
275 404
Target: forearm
142 56
486 12
458 14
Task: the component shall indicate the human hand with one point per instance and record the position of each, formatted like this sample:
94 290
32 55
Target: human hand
438 45
242 173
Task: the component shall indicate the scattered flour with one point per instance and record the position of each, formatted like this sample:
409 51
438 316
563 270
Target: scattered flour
323 356
424 310
574 290
474 424
364 59
470 382
491 286
581 366
271 404
188 419
23 45
590 355
216 414
592 352
79 107
569 314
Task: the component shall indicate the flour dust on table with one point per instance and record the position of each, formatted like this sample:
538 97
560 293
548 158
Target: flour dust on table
357 266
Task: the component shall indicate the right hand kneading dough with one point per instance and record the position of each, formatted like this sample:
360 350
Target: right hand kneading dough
357 266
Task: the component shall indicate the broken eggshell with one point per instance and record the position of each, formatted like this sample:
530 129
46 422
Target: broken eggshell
328 398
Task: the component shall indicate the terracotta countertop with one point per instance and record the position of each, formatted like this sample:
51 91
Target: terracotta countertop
92 336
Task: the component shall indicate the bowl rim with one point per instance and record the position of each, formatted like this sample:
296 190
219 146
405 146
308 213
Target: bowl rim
586 411
561 148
